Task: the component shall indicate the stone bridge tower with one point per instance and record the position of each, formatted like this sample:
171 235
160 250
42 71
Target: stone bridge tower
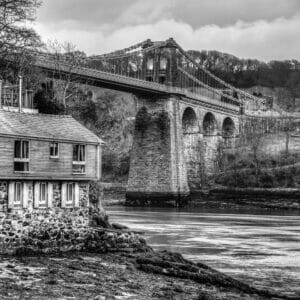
157 169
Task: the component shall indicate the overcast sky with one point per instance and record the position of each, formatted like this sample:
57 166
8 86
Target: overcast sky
263 29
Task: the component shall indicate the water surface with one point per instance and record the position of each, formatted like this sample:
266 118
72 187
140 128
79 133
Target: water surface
259 248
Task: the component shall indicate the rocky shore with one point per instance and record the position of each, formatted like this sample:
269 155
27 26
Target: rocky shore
111 262
119 275
263 198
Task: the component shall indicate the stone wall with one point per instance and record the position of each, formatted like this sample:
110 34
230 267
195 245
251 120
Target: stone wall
55 229
157 170
60 230
19 226
56 201
194 151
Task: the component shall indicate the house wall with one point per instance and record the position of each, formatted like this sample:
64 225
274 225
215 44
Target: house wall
55 229
41 165
18 224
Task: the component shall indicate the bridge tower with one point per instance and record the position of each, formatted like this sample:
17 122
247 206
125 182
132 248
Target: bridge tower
157 168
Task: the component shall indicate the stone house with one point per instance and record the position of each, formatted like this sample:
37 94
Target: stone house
45 161
46 164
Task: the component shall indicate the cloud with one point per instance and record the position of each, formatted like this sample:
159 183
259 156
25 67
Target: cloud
115 14
265 40
228 12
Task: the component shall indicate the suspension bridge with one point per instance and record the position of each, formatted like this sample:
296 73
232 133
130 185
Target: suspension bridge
185 111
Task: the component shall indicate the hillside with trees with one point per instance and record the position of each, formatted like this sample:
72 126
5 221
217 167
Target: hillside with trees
281 78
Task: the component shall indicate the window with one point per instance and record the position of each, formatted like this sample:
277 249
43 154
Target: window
43 199
163 63
150 63
21 159
43 194
18 193
70 193
79 159
53 150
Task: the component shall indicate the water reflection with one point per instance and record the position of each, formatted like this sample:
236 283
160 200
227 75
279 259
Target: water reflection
262 249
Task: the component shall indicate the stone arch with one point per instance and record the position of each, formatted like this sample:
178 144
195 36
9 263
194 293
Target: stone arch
189 121
210 125
228 127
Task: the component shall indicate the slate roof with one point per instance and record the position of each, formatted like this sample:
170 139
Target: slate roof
43 126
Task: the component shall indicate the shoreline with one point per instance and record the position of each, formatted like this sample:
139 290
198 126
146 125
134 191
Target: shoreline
223 197
119 275
116 263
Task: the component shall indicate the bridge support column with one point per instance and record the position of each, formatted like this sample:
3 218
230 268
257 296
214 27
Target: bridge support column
157 173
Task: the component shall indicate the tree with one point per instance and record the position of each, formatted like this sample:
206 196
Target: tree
17 40
66 59
15 36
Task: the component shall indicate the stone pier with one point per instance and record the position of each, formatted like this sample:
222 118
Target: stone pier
157 173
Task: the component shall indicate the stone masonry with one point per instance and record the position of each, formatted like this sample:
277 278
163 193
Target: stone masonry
55 229
157 171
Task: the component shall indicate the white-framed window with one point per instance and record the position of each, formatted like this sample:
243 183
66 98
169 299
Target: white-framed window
54 150
21 156
43 194
78 159
70 195
18 194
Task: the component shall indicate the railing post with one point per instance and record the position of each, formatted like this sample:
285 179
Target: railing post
20 93
0 93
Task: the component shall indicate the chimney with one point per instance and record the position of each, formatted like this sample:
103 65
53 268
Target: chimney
20 93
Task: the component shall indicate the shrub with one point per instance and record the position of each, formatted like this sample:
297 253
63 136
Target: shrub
95 192
142 120
124 164
266 180
109 161
162 122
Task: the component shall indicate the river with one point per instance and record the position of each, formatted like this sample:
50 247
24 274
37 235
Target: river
262 249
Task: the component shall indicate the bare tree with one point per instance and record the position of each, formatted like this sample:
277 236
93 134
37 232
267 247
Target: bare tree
17 40
15 36
255 137
66 59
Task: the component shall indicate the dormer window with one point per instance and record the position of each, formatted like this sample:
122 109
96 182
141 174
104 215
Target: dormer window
79 159
54 150
21 158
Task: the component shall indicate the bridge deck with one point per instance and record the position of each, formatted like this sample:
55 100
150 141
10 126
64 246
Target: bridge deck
130 84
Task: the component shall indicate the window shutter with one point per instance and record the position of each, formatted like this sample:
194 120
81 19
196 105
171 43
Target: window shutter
50 194
25 194
63 194
36 195
76 203
11 194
